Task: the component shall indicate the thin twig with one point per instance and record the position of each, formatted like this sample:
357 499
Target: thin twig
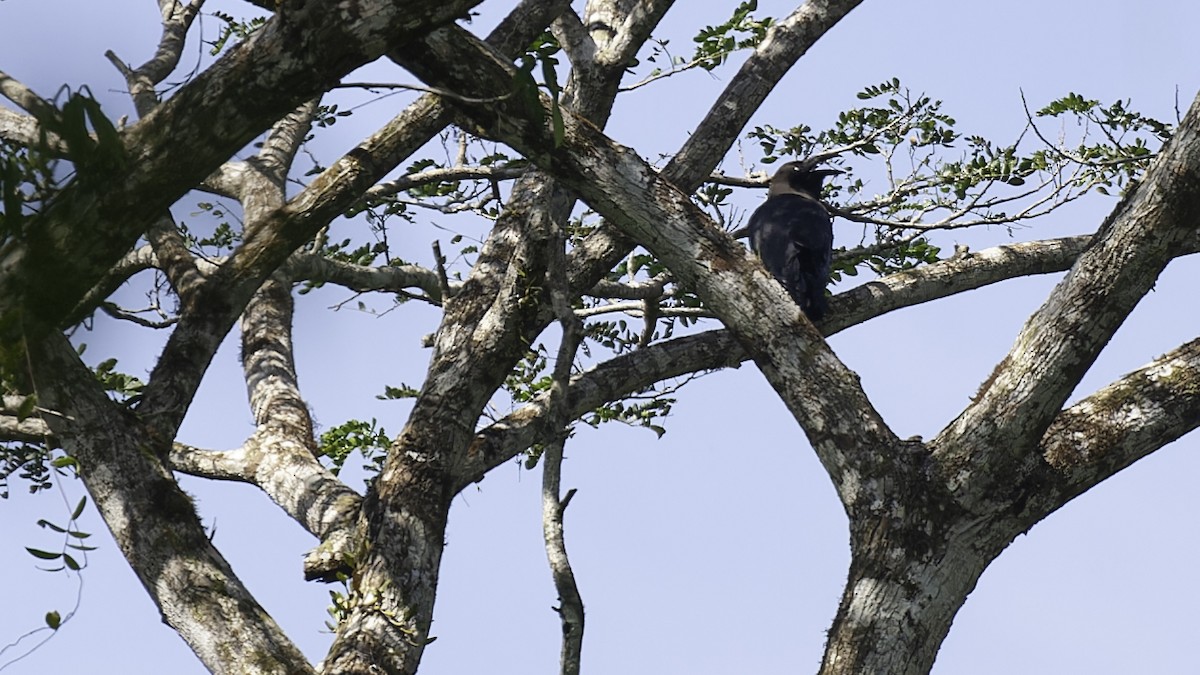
439 262
444 93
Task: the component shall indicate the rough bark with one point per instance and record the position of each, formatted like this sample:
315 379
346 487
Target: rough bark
909 509
485 330
155 524
300 53
919 545
926 519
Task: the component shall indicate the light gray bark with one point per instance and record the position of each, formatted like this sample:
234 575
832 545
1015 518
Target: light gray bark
924 524
926 519
155 524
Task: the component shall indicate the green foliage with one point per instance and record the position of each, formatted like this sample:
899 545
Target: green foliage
442 188
31 464
529 377
1120 154
396 393
645 413
714 44
901 256
91 141
73 540
26 181
327 115
127 388
367 438
224 237
78 132
900 120
339 608
540 55
233 29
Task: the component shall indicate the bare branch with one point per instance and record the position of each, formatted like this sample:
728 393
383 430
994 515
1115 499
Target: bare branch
439 262
28 430
447 175
554 508
389 278
1118 425
24 130
231 465
26 98
177 18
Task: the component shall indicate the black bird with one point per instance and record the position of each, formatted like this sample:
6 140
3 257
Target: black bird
793 235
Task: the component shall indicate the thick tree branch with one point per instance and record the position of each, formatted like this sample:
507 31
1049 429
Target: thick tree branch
28 100
821 392
298 54
155 524
1114 427
28 430
363 278
24 130
211 312
1152 225
269 366
629 373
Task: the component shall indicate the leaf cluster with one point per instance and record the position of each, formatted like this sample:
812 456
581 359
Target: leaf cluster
127 388
540 55
714 44
233 29
73 540
366 438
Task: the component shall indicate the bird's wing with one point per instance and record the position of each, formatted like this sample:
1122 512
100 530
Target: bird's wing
792 221
793 235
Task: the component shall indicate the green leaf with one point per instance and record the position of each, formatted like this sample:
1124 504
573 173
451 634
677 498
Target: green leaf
47 524
63 462
70 562
79 507
44 555
53 619
26 408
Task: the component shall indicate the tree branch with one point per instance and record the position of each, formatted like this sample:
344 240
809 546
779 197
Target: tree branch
155 524
570 609
1114 427
177 18
1152 225
622 375
294 57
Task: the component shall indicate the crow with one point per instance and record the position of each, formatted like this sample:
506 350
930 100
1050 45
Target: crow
793 235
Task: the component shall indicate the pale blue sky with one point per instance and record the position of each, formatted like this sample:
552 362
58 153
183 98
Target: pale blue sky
713 550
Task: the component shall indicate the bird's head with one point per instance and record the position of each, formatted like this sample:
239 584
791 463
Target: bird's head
799 178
